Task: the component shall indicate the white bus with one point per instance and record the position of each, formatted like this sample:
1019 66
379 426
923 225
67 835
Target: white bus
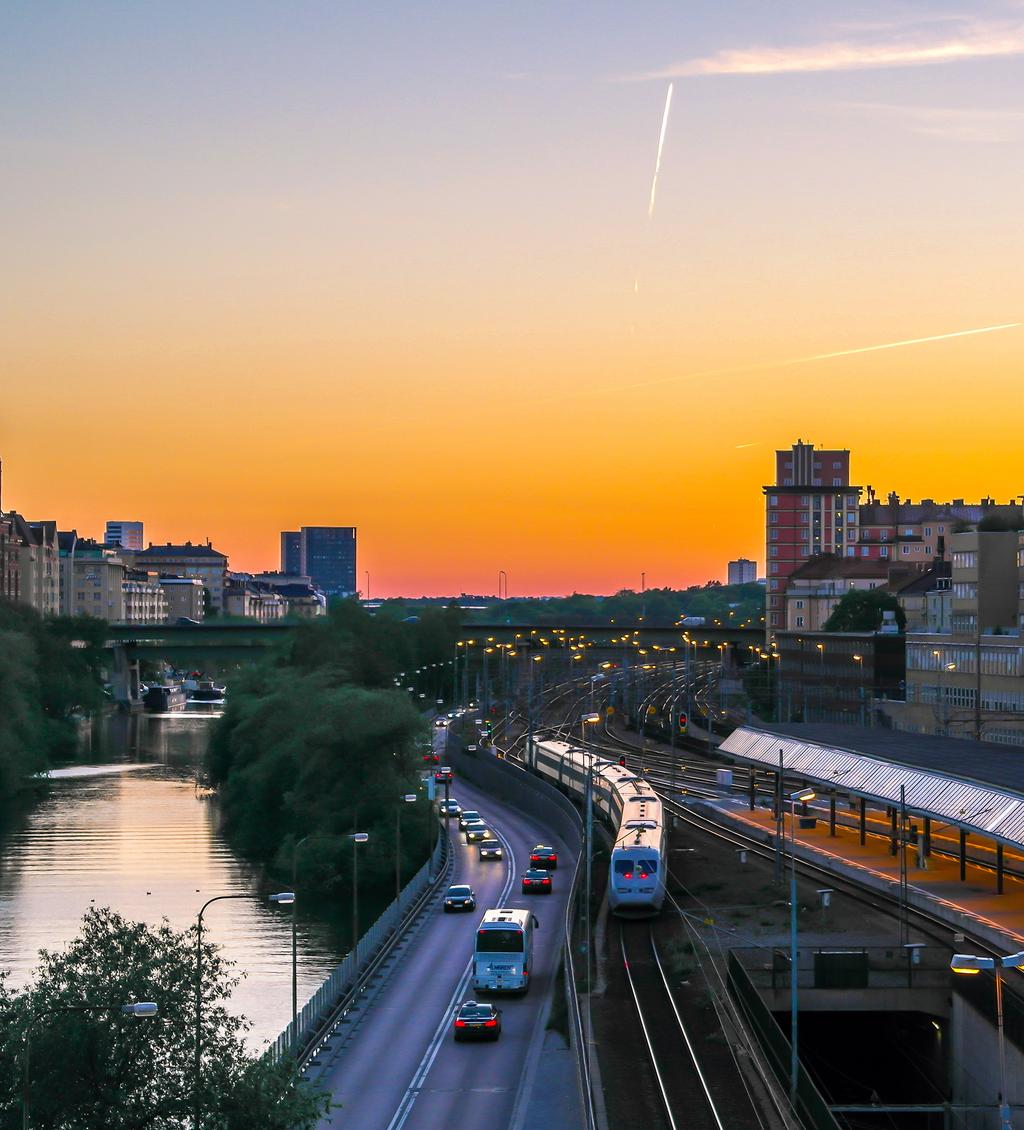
503 952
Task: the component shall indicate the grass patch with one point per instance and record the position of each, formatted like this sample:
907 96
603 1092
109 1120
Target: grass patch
678 961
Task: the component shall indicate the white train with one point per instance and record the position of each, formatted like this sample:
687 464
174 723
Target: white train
636 883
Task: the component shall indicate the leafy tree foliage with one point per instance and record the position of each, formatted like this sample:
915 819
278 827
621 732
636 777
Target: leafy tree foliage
860 610
730 604
49 671
102 1070
318 743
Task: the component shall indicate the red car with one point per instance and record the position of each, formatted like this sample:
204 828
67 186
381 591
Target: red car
544 857
536 882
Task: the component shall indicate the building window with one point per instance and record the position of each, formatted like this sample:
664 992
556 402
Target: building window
837 482
799 604
799 621
773 534
927 531
927 551
788 483
884 551
773 517
851 551
884 535
906 550
773 500
773 550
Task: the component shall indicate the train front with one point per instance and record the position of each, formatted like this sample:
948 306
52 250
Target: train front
636 880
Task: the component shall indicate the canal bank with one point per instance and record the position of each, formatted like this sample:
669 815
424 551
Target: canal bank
131 828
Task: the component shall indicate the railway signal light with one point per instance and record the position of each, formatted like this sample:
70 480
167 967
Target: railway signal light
622 760
682 721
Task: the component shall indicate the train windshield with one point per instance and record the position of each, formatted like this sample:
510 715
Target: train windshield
499 941
647 867
625 868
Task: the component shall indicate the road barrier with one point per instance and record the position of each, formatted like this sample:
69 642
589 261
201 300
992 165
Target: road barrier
321 1014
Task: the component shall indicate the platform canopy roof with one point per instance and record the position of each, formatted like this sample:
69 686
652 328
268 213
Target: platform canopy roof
986 795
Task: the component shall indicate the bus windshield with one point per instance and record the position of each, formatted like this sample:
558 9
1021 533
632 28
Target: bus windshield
499 941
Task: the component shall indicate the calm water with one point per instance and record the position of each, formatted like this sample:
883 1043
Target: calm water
129 829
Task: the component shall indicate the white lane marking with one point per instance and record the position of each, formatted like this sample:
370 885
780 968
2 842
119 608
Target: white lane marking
425 1064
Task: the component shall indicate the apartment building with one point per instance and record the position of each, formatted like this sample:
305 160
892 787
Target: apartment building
742 571
967 679
818 585
184 596
188 560
810 509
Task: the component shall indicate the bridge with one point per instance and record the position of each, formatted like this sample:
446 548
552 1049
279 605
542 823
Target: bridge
184 645
614 634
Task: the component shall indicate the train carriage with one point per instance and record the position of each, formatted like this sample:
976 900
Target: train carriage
636 881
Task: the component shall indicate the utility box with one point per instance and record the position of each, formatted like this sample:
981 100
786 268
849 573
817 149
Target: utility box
723 778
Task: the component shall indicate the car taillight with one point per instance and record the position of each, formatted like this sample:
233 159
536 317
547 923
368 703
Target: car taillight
546 882
490 1024
460 1024
643 874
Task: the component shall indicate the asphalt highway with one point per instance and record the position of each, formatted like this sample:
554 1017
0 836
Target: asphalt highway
399 1067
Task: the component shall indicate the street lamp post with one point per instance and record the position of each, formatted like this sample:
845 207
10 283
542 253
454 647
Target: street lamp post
970 965
284 898
407 798
585 720
357 839
138 1008
800 796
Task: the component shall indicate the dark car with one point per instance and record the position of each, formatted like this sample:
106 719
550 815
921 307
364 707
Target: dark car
443 774
491 849
477 832
459 897
536 882
477 1021
544 856
450 807
467 817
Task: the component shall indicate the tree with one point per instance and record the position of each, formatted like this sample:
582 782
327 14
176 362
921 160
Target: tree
860 610
102 1070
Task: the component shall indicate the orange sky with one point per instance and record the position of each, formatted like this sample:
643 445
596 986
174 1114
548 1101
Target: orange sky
332 280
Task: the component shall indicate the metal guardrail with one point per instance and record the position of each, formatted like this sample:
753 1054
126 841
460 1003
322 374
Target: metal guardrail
813 1111
319 1016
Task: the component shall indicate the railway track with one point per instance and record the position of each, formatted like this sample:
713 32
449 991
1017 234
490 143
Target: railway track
686 1097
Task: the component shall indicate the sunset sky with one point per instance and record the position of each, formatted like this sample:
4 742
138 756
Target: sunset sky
390 265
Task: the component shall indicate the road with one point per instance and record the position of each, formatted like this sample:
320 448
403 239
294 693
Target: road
400 1067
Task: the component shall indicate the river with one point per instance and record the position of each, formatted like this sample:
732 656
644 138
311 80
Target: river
128 828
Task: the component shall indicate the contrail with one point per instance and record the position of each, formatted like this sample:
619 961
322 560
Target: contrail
661 146
742 445
761 365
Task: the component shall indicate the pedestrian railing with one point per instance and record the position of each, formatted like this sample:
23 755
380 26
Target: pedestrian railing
320 1014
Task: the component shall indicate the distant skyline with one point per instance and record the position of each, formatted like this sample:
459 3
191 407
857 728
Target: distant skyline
400 268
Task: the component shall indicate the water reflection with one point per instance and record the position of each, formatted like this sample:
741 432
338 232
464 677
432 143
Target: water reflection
147 843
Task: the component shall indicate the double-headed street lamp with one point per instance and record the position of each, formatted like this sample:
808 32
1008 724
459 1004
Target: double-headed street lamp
971 965
285 898
141 1009
801 796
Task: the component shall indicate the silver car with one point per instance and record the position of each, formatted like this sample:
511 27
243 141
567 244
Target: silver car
491 849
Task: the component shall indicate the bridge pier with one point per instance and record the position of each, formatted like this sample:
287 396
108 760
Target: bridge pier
125 683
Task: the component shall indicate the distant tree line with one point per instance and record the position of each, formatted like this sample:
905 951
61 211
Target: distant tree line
730 604
317 742
49 675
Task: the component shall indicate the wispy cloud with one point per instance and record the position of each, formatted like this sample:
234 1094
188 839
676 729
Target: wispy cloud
955 123
910 46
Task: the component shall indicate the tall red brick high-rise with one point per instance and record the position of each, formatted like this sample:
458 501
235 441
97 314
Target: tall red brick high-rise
810 508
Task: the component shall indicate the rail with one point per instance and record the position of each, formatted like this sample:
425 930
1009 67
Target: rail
320 1015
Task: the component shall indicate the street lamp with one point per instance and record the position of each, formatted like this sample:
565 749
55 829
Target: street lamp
141 1009
801 796
357 838
970 965
287 898
283 898
407 798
